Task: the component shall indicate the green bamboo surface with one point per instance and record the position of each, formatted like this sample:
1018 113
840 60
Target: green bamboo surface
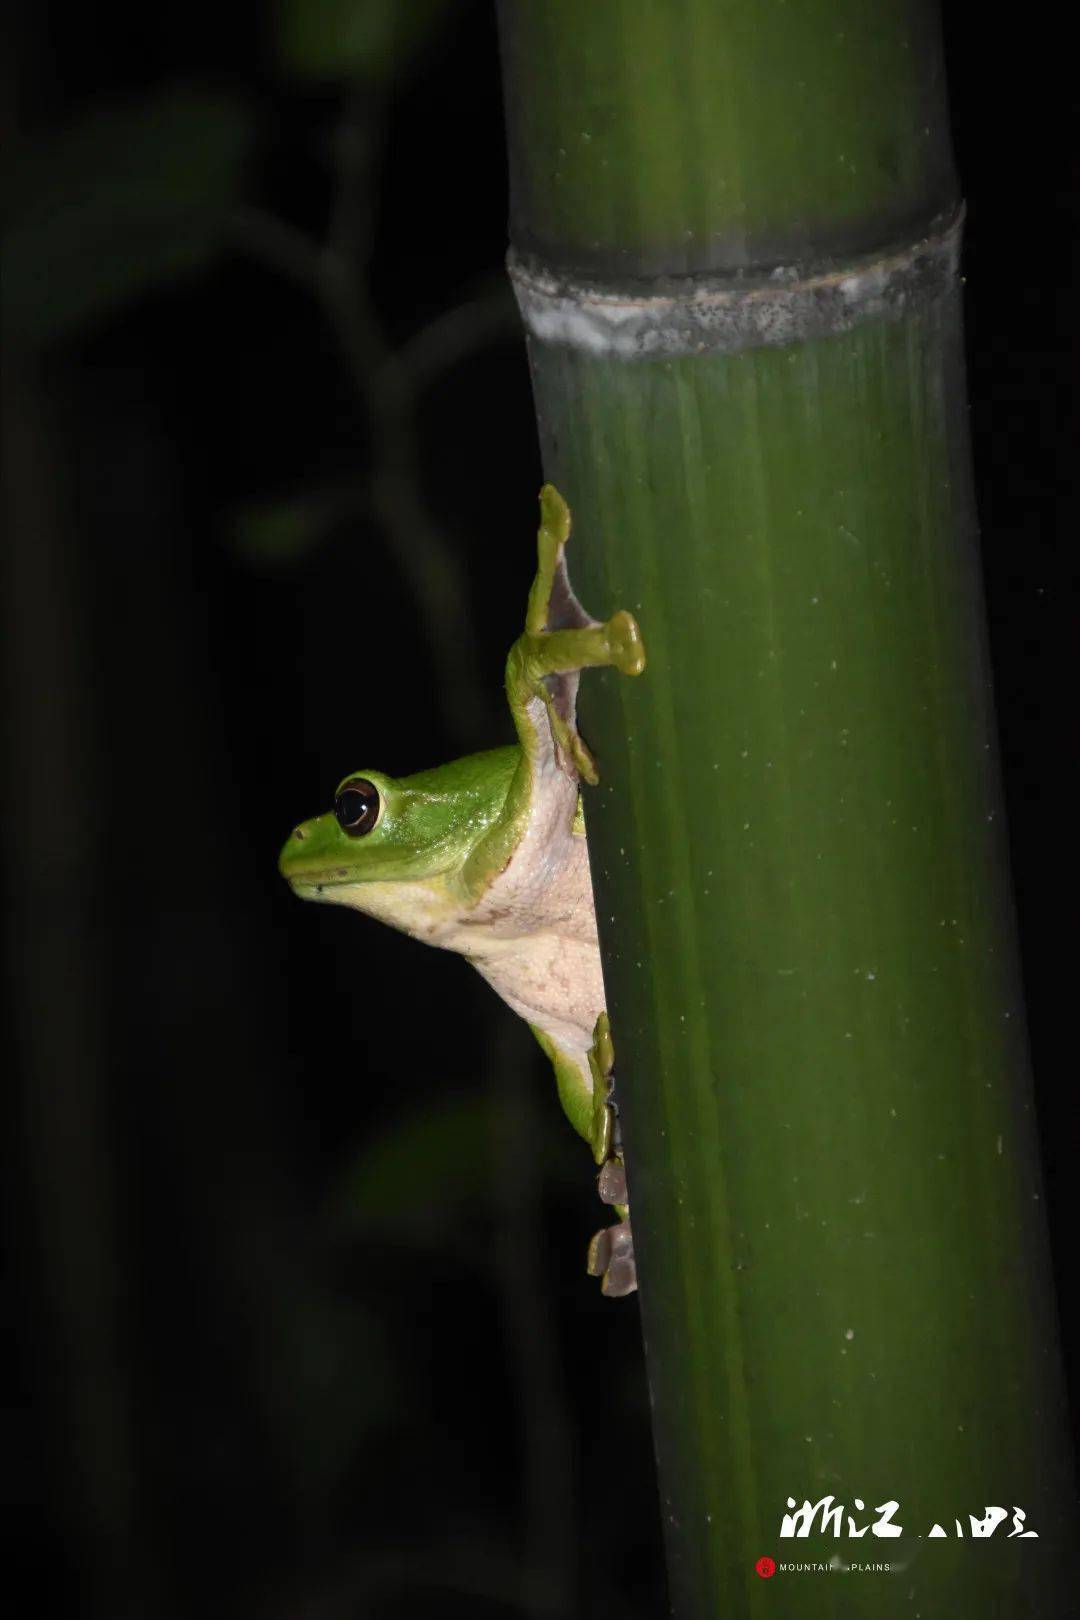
652 138
797 842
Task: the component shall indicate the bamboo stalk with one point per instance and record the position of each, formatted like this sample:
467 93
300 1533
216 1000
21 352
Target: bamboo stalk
735 233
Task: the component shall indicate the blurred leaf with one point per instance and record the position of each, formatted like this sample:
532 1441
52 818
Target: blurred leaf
437 1157
118 202
345 39
331 1379
274 535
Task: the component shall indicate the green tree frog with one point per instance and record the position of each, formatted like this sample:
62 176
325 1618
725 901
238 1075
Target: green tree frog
487 856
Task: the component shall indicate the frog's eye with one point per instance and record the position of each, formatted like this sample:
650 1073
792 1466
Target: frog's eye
357 806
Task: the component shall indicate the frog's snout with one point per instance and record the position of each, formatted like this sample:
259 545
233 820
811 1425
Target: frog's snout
290 854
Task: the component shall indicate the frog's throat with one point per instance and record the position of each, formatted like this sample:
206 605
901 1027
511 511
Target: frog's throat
424 909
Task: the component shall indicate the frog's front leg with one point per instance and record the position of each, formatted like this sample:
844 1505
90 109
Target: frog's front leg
543 670
549 650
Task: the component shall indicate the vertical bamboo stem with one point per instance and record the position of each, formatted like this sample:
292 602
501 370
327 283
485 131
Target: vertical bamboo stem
735 234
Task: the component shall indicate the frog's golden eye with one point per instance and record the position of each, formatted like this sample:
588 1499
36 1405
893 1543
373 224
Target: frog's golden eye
357 806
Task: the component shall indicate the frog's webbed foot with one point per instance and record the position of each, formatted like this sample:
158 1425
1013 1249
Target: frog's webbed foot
611 1251
560 639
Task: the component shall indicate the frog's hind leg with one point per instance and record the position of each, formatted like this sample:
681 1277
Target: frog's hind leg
572 1083
560 639
588 1106
584 1085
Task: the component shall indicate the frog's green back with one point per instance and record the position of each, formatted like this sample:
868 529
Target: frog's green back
454 804
482 778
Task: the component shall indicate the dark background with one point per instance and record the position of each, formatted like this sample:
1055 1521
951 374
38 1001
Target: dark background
298 1319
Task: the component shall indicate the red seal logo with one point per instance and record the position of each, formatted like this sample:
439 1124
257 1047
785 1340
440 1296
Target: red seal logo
765 1567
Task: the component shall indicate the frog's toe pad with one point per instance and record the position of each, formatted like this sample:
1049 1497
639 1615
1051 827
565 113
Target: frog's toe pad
554 514
611 1182
625 647
611 1257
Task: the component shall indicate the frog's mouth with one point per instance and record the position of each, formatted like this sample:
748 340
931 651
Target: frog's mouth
308 888
311 884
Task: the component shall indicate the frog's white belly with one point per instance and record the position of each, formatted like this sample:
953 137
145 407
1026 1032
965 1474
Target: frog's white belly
551 976
533 937
553 982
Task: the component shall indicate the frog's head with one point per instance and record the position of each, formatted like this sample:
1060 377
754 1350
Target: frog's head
379 830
